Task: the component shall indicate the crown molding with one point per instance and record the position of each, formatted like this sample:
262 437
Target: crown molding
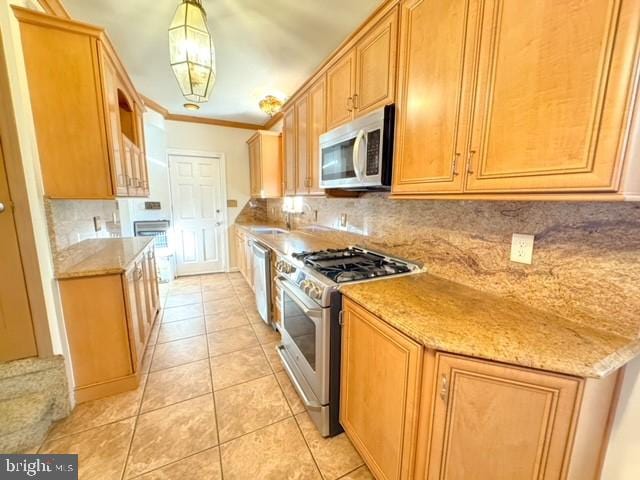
153 105
54 7
272 121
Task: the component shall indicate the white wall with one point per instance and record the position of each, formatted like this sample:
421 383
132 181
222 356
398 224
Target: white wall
623 456
160 136
10 32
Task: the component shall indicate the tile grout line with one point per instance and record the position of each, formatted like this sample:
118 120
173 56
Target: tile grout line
213 398
304 439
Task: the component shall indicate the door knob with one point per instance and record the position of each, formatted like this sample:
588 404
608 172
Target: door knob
2 207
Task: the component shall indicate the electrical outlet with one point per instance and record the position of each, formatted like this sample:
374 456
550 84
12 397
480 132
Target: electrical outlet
343 220
522 248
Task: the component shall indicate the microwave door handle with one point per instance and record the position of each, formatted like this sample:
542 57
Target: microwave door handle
356 153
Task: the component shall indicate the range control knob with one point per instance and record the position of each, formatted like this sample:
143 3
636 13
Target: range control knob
311 289
284 267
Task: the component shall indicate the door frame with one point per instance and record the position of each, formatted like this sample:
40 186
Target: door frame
22 214
223 173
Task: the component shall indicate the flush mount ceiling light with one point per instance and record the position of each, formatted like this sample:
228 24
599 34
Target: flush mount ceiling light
191 51
191 106
271 105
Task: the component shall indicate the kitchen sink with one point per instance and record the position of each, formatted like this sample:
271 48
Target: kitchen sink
269 231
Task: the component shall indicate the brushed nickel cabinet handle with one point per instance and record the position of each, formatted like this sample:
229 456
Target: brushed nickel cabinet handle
355 101
470 162
444 391
455 164
350 104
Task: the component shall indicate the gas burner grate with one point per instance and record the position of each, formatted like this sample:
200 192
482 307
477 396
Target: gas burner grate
351 265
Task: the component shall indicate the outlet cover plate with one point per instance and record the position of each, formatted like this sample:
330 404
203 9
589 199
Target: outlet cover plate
522 248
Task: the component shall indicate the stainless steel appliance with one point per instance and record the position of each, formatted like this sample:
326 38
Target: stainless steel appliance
311 332
358 155
262 280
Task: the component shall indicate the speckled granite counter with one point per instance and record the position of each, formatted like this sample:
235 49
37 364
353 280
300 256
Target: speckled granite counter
101 256
450 317
289 242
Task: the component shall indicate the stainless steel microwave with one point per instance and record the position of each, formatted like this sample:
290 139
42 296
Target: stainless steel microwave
359 155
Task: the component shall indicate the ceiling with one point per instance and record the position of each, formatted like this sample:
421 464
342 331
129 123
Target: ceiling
262 46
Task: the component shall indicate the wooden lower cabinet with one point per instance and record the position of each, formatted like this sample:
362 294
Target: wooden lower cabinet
380 390
244 255
414 413
108 320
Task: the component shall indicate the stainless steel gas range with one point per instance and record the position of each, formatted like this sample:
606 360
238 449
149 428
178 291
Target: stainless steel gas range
311 306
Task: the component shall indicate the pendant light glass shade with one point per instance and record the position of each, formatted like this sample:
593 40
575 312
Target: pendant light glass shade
191 51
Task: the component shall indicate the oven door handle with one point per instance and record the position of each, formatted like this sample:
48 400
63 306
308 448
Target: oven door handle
310 404
313 313
360 139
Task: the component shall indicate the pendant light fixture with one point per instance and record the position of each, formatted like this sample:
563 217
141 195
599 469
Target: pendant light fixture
191 51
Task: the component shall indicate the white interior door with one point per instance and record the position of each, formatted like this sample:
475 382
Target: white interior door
199 205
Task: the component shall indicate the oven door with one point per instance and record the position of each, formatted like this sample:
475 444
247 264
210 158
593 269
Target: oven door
305 343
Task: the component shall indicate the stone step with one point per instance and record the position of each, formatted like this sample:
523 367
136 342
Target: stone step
33 393
21 412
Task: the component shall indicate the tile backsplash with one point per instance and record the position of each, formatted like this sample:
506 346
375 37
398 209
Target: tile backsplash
71 221
586 259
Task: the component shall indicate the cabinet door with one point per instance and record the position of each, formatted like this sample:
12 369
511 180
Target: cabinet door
240 253
119 172
129 165
302 143
552 98
483 411
435 88
255 166
317 126
154 293
340 89
248 261
141 298
136 335
148 293
63 71
376 56
379 395
289 160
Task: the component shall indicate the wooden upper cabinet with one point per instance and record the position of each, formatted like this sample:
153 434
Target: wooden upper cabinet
376 57
266 164
289 149
77 84
434 95
254 165
317 126
340 89
119 169
66 99
483 410
554 90
379 394
302 143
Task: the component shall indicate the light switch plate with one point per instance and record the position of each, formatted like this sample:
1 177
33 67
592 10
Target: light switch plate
522 248
343 220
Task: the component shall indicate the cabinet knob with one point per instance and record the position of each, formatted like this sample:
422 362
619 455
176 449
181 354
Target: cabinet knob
2 207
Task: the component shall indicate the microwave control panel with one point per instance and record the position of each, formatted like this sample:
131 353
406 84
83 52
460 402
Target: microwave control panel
373 152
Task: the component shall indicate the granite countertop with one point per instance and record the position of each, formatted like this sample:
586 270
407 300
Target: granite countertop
100 256
289 242
447 316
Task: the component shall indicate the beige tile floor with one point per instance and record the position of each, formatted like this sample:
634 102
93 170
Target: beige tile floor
214 402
